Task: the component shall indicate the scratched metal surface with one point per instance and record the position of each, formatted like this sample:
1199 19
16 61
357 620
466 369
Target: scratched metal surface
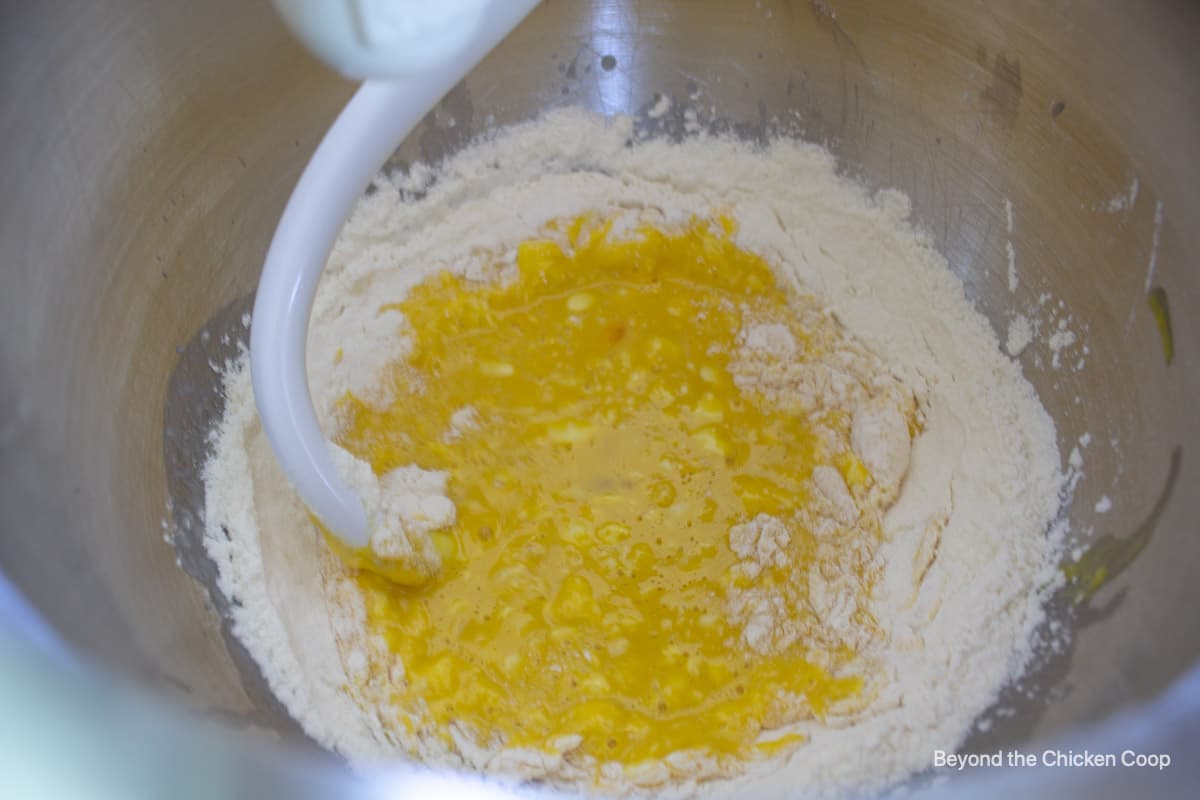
150 147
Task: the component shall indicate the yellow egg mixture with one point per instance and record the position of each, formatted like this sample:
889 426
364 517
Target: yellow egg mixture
586 581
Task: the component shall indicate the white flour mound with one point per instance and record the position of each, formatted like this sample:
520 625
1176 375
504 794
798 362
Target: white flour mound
967 560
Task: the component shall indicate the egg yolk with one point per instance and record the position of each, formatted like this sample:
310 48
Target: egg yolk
598 453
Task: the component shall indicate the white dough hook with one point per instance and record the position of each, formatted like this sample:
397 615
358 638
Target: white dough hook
415 51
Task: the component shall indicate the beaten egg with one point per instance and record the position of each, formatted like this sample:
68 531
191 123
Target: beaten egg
599 451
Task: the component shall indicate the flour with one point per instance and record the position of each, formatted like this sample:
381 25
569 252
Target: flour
1020 335
1153 262
839 376
965 560
1009 250
464 420
403 507
660 108
879 435
1126 201
771 339
1058 341
765 617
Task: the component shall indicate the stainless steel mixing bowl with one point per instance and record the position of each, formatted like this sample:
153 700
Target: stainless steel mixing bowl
148 148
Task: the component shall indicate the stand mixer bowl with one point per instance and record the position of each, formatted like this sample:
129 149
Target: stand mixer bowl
150 148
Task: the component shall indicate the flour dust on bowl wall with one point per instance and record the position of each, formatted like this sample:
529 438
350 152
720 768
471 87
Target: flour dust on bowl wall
763 399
